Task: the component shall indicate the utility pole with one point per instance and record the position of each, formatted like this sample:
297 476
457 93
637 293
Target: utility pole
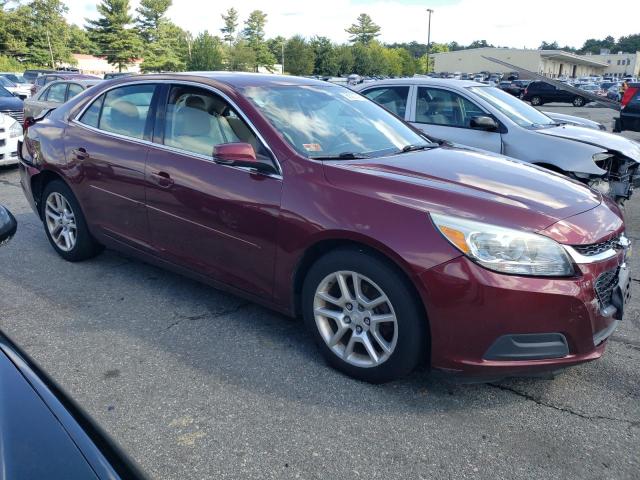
282 47
50 50
429 39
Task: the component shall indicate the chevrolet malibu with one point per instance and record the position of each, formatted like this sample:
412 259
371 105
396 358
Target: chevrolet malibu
313 200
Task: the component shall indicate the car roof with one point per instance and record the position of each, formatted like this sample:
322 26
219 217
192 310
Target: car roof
424 81
246 79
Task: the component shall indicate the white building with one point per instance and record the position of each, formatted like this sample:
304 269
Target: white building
551 63
99 66
619 64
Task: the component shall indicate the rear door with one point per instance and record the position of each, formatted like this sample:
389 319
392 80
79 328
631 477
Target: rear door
446 115
218 220
107 144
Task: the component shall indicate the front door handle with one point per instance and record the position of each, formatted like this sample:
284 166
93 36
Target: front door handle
162 179
80 153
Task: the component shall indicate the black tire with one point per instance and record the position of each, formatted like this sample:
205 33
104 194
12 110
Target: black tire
412 342
536 101
578 102
86 246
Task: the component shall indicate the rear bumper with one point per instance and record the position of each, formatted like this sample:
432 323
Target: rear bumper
489 325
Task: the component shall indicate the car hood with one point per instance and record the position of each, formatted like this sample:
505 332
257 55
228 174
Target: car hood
10 103
597 138
469 184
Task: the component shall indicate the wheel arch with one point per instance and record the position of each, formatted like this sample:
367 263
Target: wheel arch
39 183
325 245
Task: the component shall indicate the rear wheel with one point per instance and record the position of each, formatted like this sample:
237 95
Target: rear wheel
65 225
578 102
364 316
536 101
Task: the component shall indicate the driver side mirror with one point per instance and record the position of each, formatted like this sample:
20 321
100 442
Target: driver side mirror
239 154
8 225
483 122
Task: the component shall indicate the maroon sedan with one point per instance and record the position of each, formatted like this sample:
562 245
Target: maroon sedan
311 199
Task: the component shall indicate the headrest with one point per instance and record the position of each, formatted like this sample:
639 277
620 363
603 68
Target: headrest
192 122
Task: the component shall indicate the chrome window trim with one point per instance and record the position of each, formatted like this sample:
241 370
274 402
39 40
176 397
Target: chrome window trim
177 150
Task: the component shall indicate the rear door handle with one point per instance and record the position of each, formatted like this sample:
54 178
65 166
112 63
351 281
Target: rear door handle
162 179
80 153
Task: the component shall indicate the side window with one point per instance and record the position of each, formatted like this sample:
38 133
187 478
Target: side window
74 89
42 95
393 99
197 119
49 79
40 81
92 114
442 107
125 110
57 92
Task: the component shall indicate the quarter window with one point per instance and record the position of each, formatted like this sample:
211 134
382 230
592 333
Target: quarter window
74 89
197 120
393 99
442 107
57 93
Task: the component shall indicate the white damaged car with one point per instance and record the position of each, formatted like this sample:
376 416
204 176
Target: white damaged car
484 117
10 133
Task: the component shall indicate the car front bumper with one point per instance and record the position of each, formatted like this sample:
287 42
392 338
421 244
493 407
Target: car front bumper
490 325
8 149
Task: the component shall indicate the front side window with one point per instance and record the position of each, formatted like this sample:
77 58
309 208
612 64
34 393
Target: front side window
443 107
74 89
57 93
197 120
393 99
330 121
518 111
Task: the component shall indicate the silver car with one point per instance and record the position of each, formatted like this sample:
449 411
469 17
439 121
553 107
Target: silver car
55 94
476 115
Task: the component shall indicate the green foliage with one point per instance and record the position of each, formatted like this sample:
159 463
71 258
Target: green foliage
112 33
207 53
299 56
275 46
168 53
10 64
230 25
253 33
325 56
79 41
364 30
150 15
345 59
241 57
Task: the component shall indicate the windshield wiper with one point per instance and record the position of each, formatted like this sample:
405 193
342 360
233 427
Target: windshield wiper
413 148
342 156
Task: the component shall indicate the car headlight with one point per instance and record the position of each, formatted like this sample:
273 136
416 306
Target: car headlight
15 130
505 250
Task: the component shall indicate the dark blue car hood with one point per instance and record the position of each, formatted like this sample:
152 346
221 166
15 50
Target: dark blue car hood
10 103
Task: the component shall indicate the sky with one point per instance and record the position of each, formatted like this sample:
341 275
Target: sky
513 23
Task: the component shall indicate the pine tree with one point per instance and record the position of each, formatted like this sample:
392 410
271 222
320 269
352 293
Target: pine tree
364 30
230 25
150 16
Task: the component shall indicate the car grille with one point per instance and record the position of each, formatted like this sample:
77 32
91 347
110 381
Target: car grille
605 285
18 115
597 248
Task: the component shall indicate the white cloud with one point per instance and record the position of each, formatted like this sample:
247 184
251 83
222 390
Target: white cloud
505 23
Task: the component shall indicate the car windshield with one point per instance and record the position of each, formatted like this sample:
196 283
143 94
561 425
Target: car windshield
4 92
332 121
514 108
5 82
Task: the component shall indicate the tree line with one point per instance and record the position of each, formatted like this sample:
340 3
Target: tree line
36 33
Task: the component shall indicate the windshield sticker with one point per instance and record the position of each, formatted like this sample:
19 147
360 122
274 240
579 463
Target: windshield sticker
312 147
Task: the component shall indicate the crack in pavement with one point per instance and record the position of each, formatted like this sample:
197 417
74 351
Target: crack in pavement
630 423
229 311
628 343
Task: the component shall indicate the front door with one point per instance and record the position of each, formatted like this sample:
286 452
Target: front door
446 115
106 144
218 220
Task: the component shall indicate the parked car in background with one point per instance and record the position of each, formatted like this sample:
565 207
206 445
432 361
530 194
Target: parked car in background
14 77
21 91
31 75
55 94
10 134
313 200
539 93
43 80
630 109
470 113
515 87
109 76
592 88
11 105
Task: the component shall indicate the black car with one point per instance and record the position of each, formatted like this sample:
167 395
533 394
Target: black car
539 93
43 432
630 110
31 75
11 105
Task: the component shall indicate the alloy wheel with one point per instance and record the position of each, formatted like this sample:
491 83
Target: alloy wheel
61 222
355 319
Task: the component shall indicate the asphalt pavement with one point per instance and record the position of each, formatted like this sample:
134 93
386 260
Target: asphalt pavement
198 384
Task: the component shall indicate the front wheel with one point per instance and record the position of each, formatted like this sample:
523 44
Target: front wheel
578 102
364 316
65 225
536 101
